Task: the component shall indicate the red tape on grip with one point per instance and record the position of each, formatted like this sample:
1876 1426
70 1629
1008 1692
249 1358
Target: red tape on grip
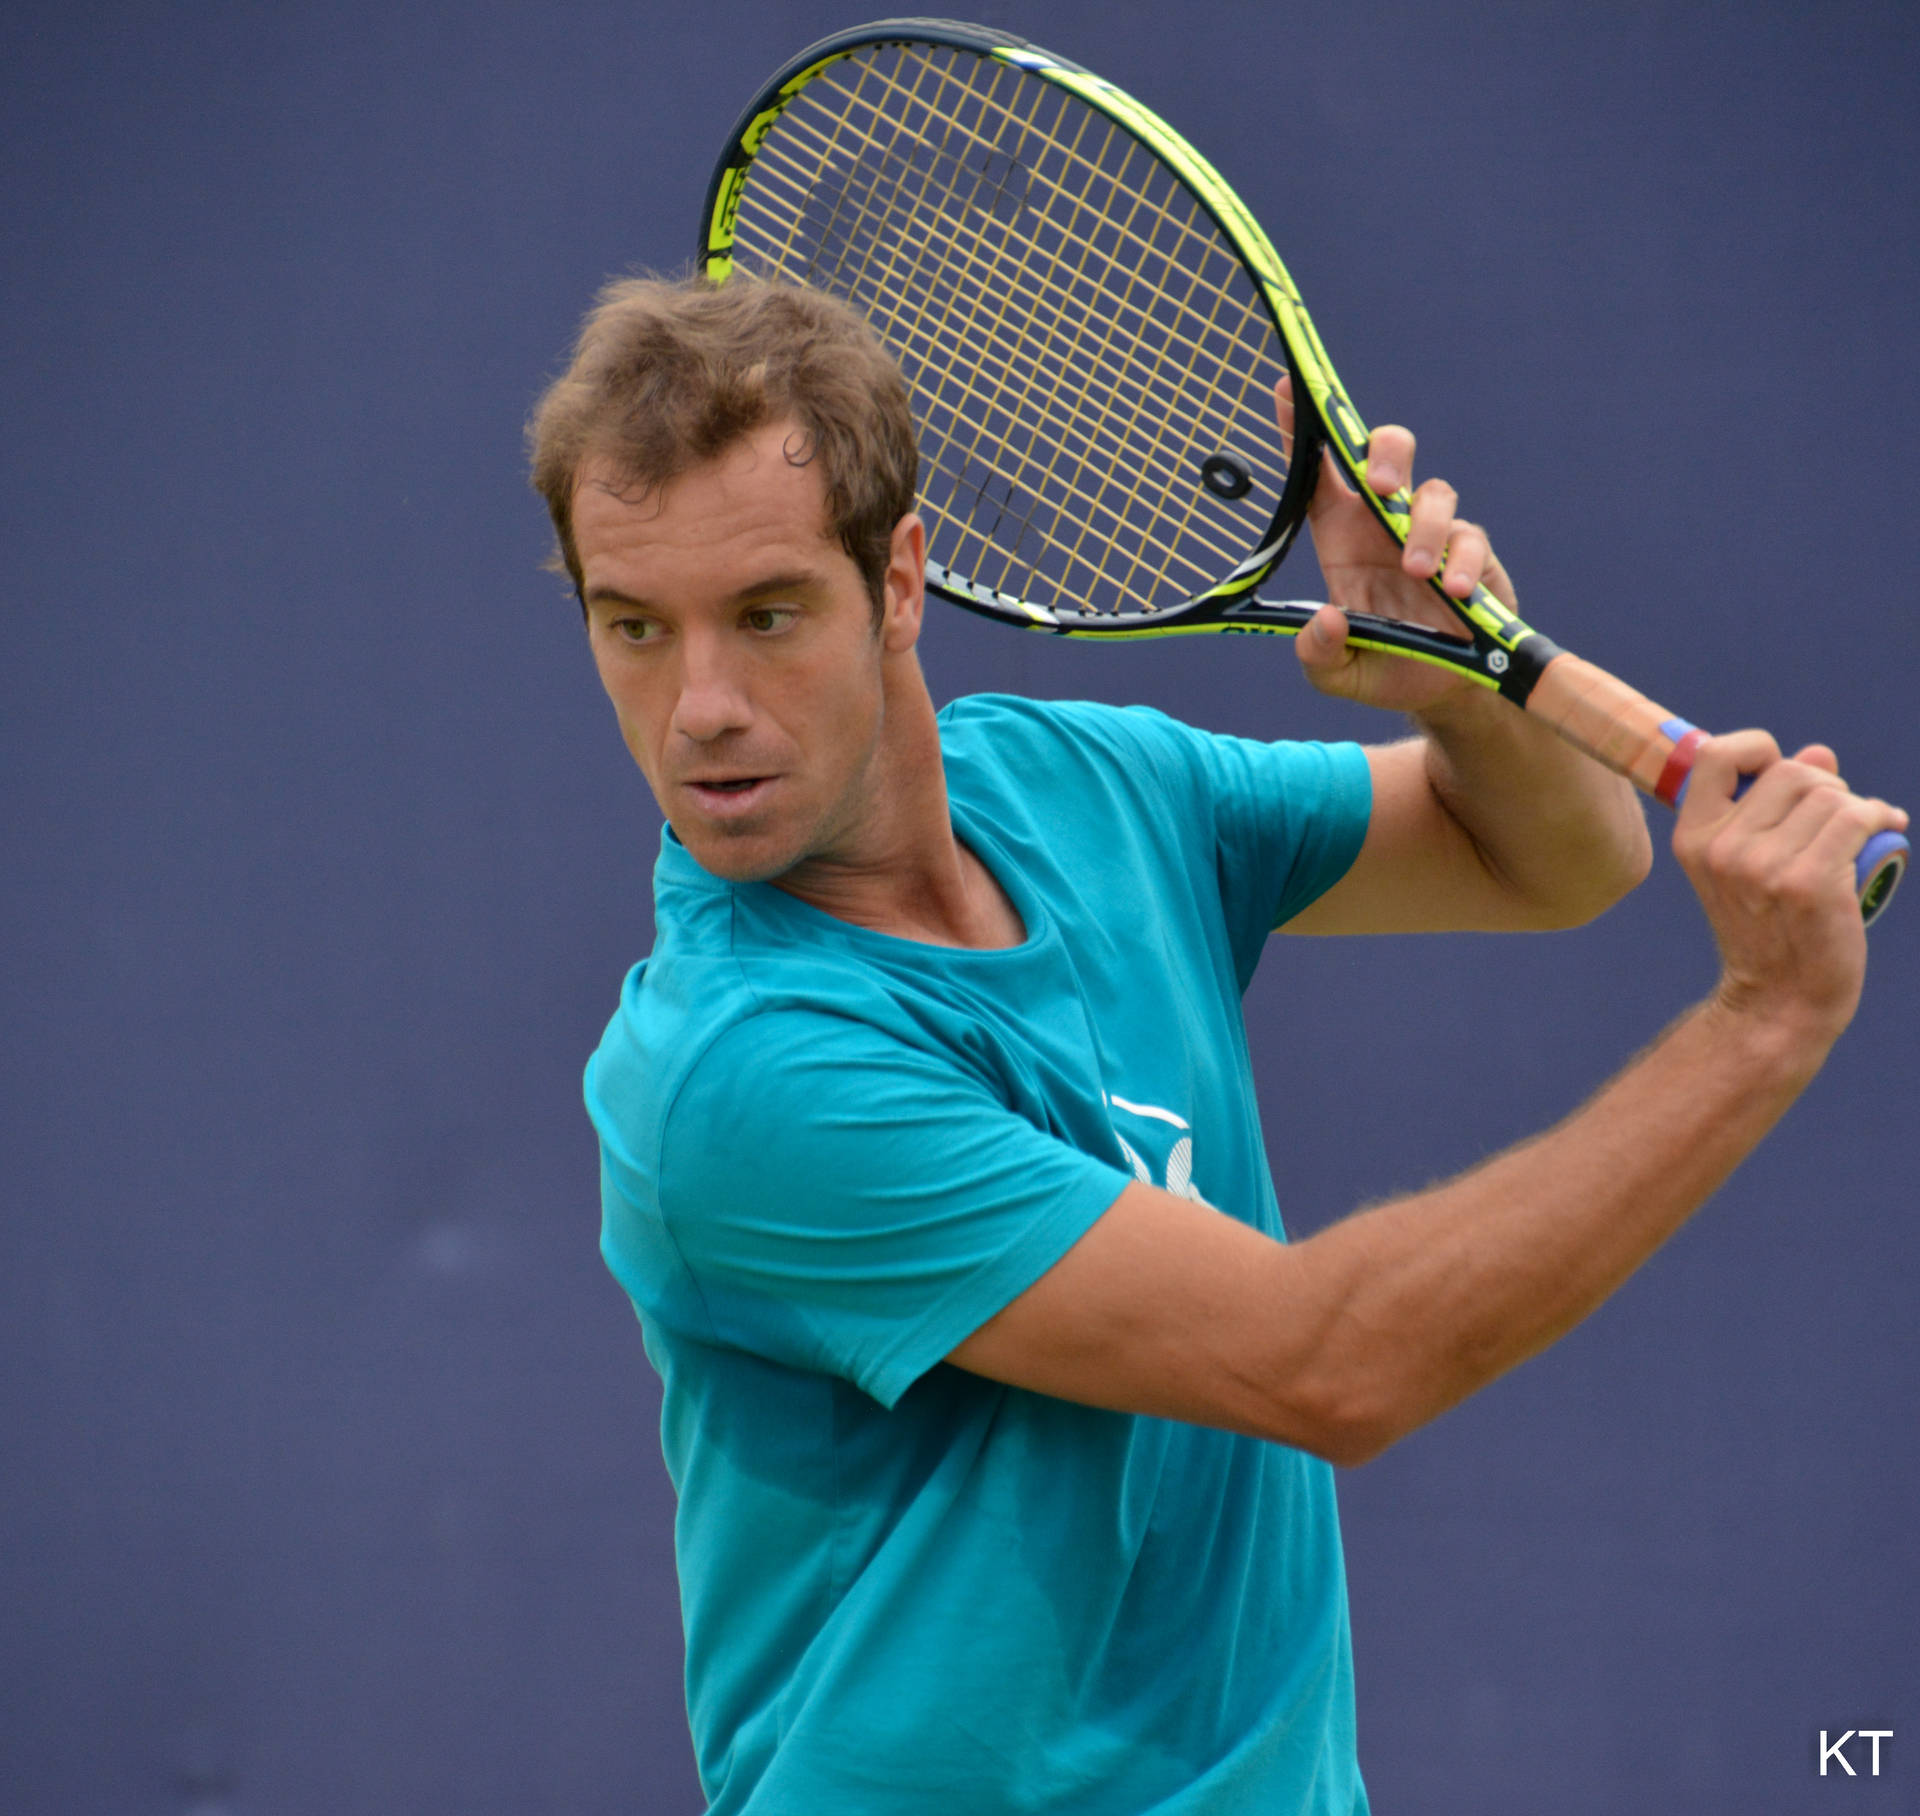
1679 766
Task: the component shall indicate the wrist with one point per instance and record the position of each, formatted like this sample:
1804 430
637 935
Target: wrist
1469 715
1779 1039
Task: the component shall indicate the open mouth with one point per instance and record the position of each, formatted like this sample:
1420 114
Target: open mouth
729 796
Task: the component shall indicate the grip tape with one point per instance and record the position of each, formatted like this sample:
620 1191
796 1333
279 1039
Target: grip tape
1613 723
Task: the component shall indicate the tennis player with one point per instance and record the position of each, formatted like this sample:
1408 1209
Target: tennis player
1000 1410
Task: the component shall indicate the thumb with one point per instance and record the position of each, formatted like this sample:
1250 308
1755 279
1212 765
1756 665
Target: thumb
1322 644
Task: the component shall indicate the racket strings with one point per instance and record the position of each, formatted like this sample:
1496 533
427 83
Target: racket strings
969 356
847 222
977 351
996 177
882 148
972 349
972 354
1077 334
1086 236
830 259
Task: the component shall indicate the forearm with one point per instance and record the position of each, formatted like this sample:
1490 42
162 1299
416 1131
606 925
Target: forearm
1344 1342
1428 1298
1564 836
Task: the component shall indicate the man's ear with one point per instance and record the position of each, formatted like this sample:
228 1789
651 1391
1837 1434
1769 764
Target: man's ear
903 595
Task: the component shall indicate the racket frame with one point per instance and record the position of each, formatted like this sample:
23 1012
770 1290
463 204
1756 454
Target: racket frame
1612 722
1499 650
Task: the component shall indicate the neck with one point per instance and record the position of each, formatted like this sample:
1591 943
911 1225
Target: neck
902 872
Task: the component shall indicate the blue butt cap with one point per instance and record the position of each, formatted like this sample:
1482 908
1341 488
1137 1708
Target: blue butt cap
1878 870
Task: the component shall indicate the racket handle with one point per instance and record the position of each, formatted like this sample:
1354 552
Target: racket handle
1619 726
1615 724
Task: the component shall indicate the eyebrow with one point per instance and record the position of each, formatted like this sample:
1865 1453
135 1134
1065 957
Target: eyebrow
798 579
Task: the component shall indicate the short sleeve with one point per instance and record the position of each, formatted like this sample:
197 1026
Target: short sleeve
850 1203
1287 819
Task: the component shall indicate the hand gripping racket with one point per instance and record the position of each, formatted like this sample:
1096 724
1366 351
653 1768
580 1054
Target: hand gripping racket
1091 325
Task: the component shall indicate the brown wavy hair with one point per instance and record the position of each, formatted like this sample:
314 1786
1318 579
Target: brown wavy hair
667 374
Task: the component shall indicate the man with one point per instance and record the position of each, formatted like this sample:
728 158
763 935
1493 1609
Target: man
998 1407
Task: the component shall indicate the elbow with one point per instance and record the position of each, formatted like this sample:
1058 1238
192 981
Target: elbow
1334 1378
1348 1448
1615 862
1350 1441
1632 858
1342 1423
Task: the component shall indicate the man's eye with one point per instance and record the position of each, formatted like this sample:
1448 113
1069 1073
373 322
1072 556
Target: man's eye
634 630
769 617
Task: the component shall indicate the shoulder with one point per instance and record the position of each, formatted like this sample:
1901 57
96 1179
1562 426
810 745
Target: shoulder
1141 749
755 1022
1081 747
1007 722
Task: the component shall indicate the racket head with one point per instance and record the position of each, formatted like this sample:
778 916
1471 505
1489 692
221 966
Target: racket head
1091 324
1091 359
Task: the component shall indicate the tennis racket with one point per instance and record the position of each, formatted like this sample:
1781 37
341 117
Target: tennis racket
1091 326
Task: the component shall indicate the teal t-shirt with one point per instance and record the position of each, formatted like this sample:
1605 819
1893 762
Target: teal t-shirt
829 1155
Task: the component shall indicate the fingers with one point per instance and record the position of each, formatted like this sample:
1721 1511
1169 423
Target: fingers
1457 551
1755 823
1802 813
1743 790
1439 541
1390 459
1440 545
1819 755
1789 859
1468 556
1430 528
1330 486
1322 648
1769 844
1719 766
1283 413
1336 667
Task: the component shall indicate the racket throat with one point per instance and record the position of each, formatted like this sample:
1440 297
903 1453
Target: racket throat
1518 668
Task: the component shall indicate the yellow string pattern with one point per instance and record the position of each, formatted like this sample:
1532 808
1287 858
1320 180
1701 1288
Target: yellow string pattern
1077 334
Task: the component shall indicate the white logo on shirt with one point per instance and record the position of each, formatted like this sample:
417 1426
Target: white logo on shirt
1179 1168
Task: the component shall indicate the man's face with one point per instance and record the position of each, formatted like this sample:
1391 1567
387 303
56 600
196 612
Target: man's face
737 643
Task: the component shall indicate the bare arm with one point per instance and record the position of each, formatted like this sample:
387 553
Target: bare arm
1486 820
1344 1342
1347 1341
1487 823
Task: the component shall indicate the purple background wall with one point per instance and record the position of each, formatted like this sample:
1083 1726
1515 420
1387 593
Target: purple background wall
328 1478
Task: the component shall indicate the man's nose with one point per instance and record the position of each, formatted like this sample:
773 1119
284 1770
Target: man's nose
713 698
